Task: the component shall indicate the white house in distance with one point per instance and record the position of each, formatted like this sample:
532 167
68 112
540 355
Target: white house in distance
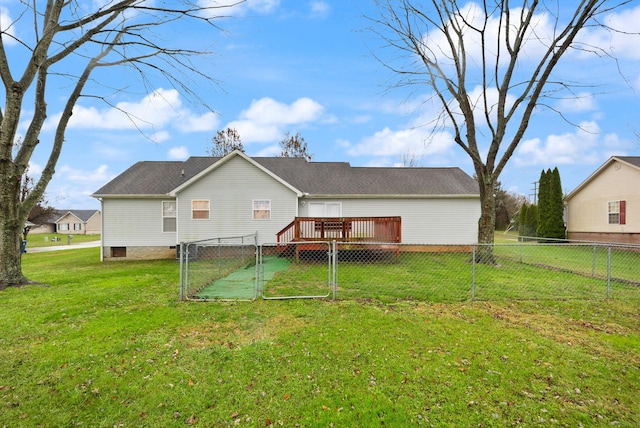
153 206
606 206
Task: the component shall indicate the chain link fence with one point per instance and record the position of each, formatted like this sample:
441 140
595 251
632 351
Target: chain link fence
219 268
442 273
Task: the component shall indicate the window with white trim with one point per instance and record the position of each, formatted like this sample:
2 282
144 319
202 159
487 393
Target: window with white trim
617 211
261 209
77 226
168 216
63 226
200 209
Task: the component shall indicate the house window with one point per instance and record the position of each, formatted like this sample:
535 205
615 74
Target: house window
77 226
63 226
200 210
168 216
617 212
325 209
261 209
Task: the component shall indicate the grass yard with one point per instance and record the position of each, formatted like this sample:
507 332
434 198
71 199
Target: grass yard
52 239
107 344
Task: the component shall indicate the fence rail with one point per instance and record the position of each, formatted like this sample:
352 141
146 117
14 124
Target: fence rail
437 273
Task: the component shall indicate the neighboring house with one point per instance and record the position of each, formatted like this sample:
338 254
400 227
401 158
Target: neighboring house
153 206
606 206
46 223
79 222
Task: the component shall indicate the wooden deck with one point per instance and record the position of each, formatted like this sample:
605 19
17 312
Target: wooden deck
308 233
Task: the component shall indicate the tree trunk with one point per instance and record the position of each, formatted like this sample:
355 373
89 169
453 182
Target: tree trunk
486 223
10 236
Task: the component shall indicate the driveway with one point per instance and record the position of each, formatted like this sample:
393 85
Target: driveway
90 244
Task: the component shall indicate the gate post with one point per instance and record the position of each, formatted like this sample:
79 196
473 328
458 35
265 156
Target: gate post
334 266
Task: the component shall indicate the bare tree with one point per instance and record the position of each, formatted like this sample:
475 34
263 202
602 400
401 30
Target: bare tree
225 142
294 146
410 160
488 65
68 35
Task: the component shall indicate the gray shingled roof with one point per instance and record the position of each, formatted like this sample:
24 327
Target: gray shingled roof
633 160
314 178
83 215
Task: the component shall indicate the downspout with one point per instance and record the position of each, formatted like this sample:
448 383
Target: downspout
101 229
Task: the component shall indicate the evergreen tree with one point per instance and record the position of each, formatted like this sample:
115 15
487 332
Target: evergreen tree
522 220
555 222
550 206
543 203
532 220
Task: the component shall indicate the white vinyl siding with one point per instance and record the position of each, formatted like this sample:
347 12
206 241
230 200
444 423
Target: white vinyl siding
134 222
445 221
232 188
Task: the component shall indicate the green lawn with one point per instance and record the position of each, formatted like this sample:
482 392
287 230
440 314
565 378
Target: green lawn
107 344
52 239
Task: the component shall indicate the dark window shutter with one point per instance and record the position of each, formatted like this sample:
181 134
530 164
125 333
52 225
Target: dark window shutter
623 212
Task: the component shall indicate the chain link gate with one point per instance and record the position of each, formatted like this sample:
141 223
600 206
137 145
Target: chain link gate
296 270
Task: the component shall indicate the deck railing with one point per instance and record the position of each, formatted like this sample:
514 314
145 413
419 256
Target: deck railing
343 229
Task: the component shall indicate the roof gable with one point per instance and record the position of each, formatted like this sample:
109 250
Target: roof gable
82 215
632 161
221 162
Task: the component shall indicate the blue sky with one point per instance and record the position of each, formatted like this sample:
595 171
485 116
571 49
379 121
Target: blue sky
308 67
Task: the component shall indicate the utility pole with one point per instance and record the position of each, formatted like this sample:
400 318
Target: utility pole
535 193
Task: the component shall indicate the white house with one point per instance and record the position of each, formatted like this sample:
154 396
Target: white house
153 206
606 206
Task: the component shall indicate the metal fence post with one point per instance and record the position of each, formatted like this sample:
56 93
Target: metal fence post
473 272
609 271
334 266
181 294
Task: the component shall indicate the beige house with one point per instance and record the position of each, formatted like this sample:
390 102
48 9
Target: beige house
79 222
606 206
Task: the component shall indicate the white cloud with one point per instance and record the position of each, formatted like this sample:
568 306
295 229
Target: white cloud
582 101
178 153
7 26
98 175
162 108
160 136
619 36
205 122
576 147
268 111
319 9
34 169
266 119
413 142
269 151
472 15
251 132
235 8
